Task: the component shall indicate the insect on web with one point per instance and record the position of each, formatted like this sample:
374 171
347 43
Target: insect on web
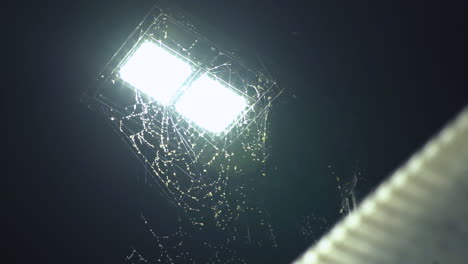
212 179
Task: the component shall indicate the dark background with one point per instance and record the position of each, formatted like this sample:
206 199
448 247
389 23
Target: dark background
368 82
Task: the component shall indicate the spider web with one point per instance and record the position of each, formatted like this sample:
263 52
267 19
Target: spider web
212 180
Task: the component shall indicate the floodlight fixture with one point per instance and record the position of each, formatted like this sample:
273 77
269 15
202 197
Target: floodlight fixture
211 105
189 87
155 72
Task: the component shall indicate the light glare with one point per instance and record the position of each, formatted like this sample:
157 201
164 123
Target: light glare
210 105
155 72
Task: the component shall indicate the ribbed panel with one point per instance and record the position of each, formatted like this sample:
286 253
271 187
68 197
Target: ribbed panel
419 215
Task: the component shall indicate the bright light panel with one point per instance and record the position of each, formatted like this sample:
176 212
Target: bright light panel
155 72
210 105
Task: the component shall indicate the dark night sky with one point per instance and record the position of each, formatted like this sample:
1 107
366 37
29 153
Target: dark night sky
368 83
